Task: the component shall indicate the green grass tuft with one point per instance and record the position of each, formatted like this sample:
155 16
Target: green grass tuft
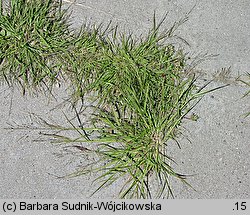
34 36
141 86
143 94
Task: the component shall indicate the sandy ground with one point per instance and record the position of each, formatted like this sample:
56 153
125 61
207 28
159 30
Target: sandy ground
218 155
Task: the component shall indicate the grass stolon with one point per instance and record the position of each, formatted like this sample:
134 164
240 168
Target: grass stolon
142 90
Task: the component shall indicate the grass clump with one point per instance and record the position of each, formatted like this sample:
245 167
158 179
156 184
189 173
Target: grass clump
85 59
141 86
34 36
143 95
